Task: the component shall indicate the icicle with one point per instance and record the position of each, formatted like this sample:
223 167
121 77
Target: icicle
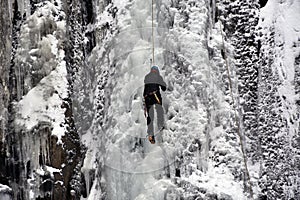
213 11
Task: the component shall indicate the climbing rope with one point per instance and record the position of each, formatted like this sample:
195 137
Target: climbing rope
237 118
152 13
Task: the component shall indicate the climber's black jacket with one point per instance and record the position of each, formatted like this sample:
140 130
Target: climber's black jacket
153 82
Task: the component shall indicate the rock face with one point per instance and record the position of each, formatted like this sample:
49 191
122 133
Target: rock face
266 56
5 54
41 153
71 81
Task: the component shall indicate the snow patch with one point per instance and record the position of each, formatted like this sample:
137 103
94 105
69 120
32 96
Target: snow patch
44 102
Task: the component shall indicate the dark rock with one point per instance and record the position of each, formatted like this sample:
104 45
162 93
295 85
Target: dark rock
210 196
46 186
177 172
262 3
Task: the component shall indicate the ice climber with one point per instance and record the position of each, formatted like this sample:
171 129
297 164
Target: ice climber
152 98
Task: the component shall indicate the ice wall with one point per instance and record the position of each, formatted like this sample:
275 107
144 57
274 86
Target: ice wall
198 148
72 73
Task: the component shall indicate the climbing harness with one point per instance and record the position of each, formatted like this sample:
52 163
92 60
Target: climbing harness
150 93
237 118
146 114
154 94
